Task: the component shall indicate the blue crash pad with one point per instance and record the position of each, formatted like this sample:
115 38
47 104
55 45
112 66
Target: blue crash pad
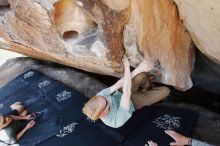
64 124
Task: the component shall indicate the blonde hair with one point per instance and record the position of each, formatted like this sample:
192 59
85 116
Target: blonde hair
92 109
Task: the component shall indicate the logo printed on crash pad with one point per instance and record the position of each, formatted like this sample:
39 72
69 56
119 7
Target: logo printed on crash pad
44 83
63 96
28 74
167 122
67 130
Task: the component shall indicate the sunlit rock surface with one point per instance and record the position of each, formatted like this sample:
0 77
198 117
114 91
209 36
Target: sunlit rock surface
94 35
202 20
155 30
4 3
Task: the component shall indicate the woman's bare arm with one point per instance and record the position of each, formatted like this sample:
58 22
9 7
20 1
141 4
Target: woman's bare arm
125 99
145 66
23 131
18 118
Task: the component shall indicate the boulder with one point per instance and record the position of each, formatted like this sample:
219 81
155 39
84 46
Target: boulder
155 30
4 3
94 35
202 20
78 80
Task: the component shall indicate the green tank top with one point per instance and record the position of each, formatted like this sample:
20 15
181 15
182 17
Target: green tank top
117 115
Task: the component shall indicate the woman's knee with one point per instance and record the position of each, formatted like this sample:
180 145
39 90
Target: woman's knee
15 104
165 91
24 113
138 81
19 108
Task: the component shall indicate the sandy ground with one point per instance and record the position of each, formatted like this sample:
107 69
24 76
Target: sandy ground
5 55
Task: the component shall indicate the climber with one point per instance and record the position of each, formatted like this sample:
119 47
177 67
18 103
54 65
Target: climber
113 107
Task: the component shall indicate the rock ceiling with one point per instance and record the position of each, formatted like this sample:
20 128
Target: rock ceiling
93 35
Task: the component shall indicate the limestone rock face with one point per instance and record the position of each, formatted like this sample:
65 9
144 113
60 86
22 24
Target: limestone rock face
202 20
94 35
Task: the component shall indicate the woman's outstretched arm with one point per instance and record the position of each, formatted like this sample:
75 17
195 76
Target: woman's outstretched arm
125 99
144 66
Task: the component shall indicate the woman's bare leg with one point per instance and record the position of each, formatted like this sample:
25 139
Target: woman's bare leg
20 108
24 113
150 97
140 81
144 66
15 104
